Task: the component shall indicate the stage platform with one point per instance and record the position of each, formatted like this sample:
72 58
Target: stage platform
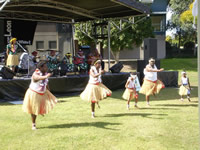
14 89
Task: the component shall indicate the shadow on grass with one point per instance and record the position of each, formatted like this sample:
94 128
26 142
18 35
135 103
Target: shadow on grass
5 104
86 124
165 94
146 115
158 108
178 105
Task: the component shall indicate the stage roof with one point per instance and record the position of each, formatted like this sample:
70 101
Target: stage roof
64 11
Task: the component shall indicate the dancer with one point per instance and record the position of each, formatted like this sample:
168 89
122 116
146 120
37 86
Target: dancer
95 89
151 84
12 57
38 99
132 87
185 87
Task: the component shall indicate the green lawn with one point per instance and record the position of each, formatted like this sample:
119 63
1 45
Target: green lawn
168 124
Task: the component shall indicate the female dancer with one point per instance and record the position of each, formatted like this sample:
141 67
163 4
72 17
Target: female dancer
95 89
185 87
38 99
132 86
151 84
12 57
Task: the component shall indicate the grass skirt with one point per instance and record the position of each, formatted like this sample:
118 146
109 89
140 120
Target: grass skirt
95 93
150 87
129 94
37 104
12 60
184 90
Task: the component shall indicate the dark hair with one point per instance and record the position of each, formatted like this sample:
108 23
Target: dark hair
41 64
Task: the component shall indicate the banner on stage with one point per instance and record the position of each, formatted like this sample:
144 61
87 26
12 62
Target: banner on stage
23 30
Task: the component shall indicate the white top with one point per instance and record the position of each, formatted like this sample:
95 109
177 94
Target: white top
152 76
95 80
184 80
39 86
131 84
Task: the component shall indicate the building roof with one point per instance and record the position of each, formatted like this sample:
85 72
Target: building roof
64 11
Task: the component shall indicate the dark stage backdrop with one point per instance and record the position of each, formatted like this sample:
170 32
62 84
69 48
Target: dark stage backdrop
22 30
11 90
15 89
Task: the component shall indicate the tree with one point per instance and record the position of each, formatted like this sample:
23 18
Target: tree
184 29
133 34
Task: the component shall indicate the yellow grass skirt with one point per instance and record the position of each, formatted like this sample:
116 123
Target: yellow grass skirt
37 104
150 87
12 60
183 90
129 94
95 93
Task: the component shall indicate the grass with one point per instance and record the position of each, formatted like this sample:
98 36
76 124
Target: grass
168 124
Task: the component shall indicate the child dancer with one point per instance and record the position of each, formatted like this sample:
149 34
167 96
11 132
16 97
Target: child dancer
38 99
95 89
132 86
185 87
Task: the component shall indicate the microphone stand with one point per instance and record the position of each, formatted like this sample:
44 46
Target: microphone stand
26 52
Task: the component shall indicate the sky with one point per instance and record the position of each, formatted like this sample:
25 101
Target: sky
169 32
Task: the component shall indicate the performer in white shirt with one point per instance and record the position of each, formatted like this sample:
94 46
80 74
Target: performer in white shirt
38 99
185 87
151 84
95 89
132 87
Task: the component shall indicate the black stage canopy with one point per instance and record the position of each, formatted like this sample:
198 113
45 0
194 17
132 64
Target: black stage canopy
64 11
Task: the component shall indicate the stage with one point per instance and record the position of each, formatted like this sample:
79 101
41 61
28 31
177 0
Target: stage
14 89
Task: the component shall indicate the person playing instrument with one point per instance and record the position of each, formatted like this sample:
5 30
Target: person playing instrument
52 61
97 55
80 61
151 84
68 61
12 57
38 99
90 59
95 89
185 86
35 57
132 87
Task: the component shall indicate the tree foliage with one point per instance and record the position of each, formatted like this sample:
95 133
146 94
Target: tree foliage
182 19
133 34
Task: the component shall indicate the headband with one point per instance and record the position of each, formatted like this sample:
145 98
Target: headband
97 61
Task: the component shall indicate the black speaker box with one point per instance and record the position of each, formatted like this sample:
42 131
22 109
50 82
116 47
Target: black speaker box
6 73
116 68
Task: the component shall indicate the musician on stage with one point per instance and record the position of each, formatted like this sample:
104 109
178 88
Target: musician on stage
12 57
98 56
80 61
52 61
68 62
35 57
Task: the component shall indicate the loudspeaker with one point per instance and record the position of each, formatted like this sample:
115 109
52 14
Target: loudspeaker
6 73
150 48
116 68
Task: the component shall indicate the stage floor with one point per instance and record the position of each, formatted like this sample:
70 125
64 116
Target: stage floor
14 89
